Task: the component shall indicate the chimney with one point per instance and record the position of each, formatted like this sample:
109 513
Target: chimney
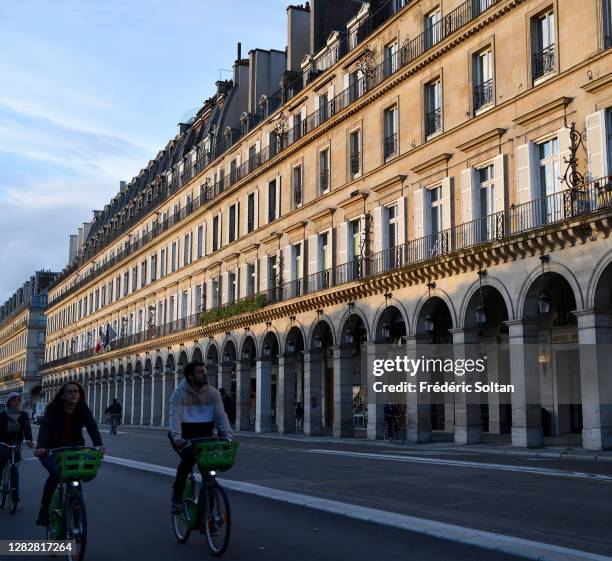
239 53
72 247
122 186
298 35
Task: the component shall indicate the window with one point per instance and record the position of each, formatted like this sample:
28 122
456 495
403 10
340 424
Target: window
109 292
479 6
200 241
126 285
232 234
543 44
390 132
433 28
483 79
392 225
250 280
296 131
549 176
608 136
134 278
273 143
215 293
184 304
390 58
607 17
171 306
355 154
187 249
355 236
140 321
433 108
163 260
253 158
143 274
272 201
231 287
251 212
233 171
324 170
174 258
272 273
486 195
435 199
297 186
176 212
215 233
198 303
323 108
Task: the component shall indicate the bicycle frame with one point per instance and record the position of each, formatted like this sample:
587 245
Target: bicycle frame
6 480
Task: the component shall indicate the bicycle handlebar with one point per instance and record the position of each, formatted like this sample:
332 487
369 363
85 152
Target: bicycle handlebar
51 451
9 445
192 441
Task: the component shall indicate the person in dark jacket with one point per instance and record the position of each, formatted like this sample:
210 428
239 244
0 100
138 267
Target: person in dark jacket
62 426
14 429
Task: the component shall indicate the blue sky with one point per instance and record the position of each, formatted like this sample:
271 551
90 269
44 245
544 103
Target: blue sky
89 92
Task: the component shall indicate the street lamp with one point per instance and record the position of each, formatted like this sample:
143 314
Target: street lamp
267 350
290 345
429 320
481 316
348 336
386 326
543 299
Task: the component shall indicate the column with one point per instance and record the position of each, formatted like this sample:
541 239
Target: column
212 372
127 399
243 395
157 397
343 392
263 400
167 389
92 402
376 410
418 404
286 393
493 375
595 338
468 412
313 377
525 376
224 376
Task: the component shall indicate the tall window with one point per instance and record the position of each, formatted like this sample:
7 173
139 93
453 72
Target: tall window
117 291
355 153
162 265
134 278
324 170
483 79
200 242
143 274
324 251
272 201
251 212
486 194
296 132
231 287
433 108
435 198
323 108
187 249
549 178
390 58
390 132
153 268
272 273
197 304
184 304
253 157
174 259
543 44
171 308
392 226
232 223
215 233
233 171
215 293
250 279
433 28
297 186
126 287
607 16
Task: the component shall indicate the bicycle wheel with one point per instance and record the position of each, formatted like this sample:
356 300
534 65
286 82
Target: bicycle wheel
12 506
217 520
181 520
75 527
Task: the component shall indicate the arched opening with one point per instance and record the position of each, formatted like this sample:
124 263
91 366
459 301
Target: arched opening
319 382
121 390
212 364
129 394
197 355
158 392
226 376
169 384
267 385
147 392
137 383
246 386
291 384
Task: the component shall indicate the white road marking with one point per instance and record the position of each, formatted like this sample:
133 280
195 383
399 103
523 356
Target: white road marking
526 549
599 478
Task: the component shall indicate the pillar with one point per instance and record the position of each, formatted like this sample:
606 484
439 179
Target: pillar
376 409
263 400
157 397
525 377
243 395
343 392
313 376
285 396
224 376
418 404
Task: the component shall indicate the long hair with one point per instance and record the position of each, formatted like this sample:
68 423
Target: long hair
57 402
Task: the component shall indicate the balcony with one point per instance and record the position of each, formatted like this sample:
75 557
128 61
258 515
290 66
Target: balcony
324 181
433 122
391 146
355 164
297 195
544 62
483 95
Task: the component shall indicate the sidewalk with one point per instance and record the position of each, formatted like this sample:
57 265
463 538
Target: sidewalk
554 452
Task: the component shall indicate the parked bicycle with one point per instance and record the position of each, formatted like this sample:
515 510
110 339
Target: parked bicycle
395 429
209 513
67 514
9 479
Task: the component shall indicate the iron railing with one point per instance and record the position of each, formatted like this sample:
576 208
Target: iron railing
355 163
390 146
324 180
552 209
544 62
483 94
433 122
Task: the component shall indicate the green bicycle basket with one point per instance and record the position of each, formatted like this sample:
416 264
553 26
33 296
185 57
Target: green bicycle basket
78 464
218 455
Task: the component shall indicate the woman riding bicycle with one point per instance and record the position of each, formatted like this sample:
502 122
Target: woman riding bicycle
62 426
14 429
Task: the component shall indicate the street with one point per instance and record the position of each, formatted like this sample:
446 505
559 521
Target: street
560 503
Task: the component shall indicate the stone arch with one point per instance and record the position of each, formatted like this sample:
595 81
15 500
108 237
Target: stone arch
487 281
349 316
382 311
422 302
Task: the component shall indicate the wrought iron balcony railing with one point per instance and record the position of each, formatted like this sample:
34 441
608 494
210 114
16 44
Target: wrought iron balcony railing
483 94
550 210
391 148
324 181
433 122
544 62
355 163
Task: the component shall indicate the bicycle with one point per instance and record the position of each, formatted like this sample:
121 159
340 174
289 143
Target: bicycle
9 478
67 514
210 512
395 429
114 422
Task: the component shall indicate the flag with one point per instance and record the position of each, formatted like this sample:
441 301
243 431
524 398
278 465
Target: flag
109 336
99 340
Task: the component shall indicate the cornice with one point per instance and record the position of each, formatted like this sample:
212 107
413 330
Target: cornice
546 109
600 83
381 187
432 162
494 134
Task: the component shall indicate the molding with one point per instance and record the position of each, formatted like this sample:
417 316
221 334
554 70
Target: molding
436 160
291 107
324 83
389 183
231 257
546 109
250 248
358 197
296 228
593 86
494 134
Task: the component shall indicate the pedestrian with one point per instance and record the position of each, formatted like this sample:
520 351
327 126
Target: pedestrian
14 429
114 412
228 405
298 413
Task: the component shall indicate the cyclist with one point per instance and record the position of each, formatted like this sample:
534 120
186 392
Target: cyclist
62 426
195 409
14 429
114 410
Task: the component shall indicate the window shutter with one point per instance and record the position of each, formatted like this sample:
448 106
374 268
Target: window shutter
342 242
225 288
564 153
220 229
287 265
499 174
203 238
401 221
209 294
525 173
378 230
447 202
238 220
257 146
303 114
257 208
331 92
313 254
263 273
242 280
315 103
597 148
469 208
347 81
418 204
278 197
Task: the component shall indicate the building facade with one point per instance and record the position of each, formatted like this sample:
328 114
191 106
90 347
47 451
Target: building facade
22 339
435 172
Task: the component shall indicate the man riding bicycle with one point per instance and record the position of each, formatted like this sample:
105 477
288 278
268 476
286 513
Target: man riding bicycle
195 409
14 429
114 410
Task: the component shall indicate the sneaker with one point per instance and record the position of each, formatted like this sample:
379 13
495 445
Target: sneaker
43 517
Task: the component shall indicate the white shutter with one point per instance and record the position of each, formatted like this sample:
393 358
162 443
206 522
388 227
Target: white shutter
278 197
288 264
342 243
331 92
418 204
225 288
257 208
238 220
597 148
331 241
303 114
564 153
313 254
499 174
242 281
378 230
315 103
209 294
220 229
469 208
204 252
257 146
526 187
446 203
347 81
401 221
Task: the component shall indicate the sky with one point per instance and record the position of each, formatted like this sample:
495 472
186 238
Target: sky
89 92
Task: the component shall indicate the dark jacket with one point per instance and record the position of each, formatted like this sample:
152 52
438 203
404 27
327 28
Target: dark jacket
52 427
24 433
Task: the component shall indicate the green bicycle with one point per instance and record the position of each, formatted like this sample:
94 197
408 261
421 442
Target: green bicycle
210 512
67 514
8 479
